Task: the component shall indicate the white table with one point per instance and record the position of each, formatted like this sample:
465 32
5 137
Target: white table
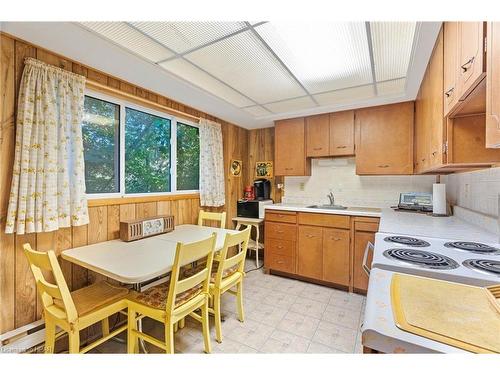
256 223
142 260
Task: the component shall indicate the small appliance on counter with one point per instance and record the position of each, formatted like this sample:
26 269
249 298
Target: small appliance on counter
252 208
249 193
415 202
262 188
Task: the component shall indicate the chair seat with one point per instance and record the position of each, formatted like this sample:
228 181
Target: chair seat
226 273
156 296
94 296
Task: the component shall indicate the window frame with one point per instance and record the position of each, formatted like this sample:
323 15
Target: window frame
123 104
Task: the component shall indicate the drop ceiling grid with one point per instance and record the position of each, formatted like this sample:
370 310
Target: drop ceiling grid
314 59
245 64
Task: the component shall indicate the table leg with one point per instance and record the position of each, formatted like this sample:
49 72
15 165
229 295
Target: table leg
257 246
137 287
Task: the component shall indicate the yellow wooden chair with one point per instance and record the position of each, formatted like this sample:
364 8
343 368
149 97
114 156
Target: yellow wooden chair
171 302
215 216
227 273
73 311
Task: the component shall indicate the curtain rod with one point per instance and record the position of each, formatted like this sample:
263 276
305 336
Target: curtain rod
100 87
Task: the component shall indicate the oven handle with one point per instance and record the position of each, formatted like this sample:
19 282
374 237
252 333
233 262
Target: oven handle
369 247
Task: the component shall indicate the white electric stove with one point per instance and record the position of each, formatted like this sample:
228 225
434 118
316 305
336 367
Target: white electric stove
466 262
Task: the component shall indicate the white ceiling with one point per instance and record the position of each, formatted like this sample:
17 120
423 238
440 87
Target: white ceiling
256 72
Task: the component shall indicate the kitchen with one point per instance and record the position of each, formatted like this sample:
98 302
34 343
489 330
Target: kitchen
231 194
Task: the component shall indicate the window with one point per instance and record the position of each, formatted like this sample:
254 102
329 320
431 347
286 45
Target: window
188 157
100 131
147 152
134 150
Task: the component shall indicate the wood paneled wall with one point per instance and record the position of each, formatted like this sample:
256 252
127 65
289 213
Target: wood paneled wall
18 298
261 148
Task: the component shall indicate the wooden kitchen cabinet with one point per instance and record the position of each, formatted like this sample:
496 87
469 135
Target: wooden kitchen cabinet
363 232
290 148
336 256
471 56
384 139
455 142
342 133
310 252
280 236
318 136
493 86
450 70
429 121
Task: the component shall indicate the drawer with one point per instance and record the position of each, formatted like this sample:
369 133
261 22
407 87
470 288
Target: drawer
366 227
324 220
282 247
280 262
281 231
281 216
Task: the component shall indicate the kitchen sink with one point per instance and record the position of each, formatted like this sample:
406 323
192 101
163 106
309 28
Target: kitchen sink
328 207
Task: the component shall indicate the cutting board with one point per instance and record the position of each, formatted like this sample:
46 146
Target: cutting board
459 315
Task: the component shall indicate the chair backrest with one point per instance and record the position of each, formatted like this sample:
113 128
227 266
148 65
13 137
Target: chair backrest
239 240
215 216
41 263
188 253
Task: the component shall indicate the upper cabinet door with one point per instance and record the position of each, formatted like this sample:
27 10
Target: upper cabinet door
384 139
289 148
493 86
317 136
342 133
470 56
450 65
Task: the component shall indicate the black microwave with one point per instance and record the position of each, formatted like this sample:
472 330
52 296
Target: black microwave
253 209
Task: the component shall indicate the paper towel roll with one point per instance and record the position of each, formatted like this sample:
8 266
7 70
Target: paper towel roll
439 199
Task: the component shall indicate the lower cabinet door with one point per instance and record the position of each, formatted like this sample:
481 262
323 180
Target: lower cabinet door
310 252
361 239
336 256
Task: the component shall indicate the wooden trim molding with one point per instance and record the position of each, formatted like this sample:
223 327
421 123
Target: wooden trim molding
153 198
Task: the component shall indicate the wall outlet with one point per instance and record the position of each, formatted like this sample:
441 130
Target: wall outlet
302 186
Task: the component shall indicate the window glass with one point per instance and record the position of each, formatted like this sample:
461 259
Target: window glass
100 131
188 157
147 152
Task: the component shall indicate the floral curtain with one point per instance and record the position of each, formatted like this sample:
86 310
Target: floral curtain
48 183
211 164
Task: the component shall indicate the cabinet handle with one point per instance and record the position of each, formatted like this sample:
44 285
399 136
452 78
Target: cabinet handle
434 153
466 65
279 231
280 247
309 236
448 93
384 166
288 169
280 215
280 262
369 247
341 146
335 238
317 148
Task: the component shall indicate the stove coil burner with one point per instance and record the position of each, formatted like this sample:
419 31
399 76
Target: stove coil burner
491 267
474 247
420 258
409 241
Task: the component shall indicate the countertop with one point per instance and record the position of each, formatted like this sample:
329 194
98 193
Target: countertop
350 211
418 224
406 223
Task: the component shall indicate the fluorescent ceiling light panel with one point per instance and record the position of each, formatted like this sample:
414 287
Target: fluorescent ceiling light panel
392 46
345 96
257 111
192 74
183 36
291 105
124 35
395 87
245 64
324 56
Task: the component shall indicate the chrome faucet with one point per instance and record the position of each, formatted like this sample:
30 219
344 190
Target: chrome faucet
331 197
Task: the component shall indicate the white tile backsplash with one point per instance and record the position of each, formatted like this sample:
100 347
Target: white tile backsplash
478 191
339 175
